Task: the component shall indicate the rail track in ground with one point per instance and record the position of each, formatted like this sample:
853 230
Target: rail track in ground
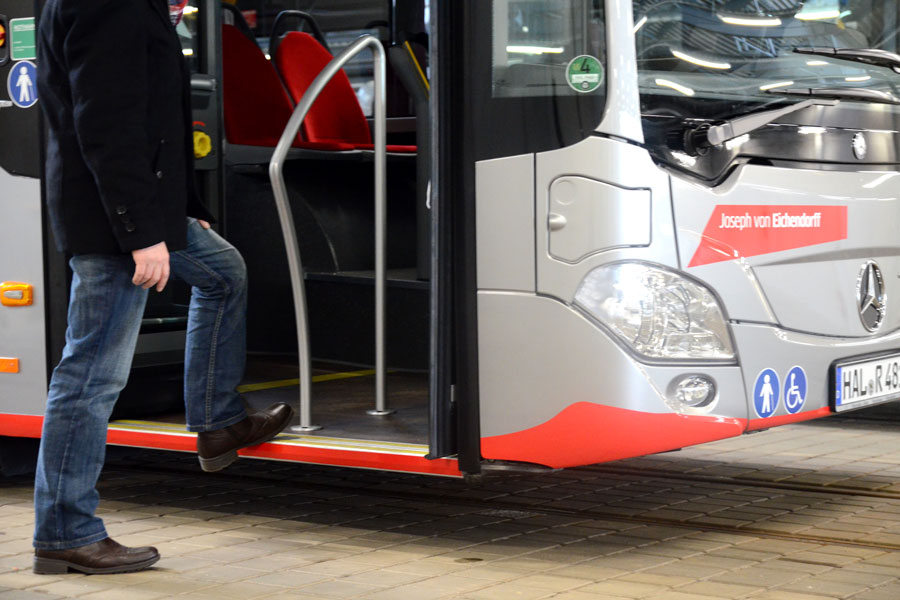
513 497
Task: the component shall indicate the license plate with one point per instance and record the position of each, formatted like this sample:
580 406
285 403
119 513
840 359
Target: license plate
866 382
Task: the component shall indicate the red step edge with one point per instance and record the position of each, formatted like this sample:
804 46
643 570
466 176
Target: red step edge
30 426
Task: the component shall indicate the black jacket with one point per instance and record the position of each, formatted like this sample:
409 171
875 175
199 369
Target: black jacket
115 90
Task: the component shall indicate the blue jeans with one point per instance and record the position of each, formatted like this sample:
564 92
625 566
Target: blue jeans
105 312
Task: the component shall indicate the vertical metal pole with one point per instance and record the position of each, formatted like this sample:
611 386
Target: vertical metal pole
380 231
282 203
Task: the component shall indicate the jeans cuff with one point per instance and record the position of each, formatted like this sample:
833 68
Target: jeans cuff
219 424
66 545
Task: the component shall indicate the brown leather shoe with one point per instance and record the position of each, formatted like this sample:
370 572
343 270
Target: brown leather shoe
105 556
218 449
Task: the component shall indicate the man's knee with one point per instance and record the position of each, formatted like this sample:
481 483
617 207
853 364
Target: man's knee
233 271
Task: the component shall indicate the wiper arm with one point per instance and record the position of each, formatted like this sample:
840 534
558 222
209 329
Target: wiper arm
706 136
869 56
839 93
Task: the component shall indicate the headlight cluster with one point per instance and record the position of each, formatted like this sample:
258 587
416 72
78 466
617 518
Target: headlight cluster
658 313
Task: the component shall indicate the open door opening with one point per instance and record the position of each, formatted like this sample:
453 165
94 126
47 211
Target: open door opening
251 69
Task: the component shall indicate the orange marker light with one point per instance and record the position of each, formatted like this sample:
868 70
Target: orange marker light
14 293
2 35
9 365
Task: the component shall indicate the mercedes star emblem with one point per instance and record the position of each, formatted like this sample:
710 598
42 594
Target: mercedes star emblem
870 298
860 147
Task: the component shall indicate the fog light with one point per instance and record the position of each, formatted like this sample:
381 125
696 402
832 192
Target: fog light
693 390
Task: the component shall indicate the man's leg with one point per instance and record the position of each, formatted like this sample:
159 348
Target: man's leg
216 349
104 320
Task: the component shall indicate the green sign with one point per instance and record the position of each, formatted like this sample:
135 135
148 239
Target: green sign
584 73
21 35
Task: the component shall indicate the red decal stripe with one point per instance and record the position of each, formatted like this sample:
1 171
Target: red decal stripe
586 433
350 458
739 230
147 439
21 425
808 415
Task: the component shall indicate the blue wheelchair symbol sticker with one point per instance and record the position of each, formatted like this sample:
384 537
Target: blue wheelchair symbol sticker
22 84
795 390
766 393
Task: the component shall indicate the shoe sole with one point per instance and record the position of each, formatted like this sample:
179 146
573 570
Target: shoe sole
54 566
217 463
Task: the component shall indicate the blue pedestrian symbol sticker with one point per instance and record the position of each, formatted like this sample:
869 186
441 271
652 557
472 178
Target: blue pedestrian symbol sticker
22 84
766 393
795 390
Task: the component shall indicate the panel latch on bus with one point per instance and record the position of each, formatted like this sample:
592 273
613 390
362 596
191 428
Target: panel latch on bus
14 293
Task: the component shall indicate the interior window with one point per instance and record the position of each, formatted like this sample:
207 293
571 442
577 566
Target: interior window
188 32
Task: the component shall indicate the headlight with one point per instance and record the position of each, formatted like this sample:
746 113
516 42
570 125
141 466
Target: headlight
658 313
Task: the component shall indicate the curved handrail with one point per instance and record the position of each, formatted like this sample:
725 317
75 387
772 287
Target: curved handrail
276 175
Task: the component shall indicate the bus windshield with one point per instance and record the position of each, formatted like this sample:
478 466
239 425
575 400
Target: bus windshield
718 59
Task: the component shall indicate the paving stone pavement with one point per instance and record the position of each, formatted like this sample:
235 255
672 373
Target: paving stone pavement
803 512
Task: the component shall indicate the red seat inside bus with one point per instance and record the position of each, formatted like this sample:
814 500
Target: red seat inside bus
336 115
257 108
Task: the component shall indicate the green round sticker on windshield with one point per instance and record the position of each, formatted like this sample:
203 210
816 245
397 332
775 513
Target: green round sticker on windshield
584 73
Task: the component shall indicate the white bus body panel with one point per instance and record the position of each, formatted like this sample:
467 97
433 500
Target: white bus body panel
505 223
538 356
22 328
555 387
547 373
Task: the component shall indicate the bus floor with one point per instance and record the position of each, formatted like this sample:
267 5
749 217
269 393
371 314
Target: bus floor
341 395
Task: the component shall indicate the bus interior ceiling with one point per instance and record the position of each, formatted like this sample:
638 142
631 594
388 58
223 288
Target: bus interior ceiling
332 200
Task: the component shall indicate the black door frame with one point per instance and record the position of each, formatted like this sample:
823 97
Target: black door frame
455 399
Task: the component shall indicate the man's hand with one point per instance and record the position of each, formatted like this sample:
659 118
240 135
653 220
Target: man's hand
151 266
204 224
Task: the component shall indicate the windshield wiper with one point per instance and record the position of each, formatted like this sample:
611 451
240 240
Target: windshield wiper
706 135
869 56
839 93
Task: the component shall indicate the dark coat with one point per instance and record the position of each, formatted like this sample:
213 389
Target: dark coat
115 91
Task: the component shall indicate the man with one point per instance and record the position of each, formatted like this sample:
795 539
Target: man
115 92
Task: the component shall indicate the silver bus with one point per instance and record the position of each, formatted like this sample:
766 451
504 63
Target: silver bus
499 233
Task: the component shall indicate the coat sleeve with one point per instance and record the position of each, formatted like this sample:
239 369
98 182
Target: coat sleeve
105 51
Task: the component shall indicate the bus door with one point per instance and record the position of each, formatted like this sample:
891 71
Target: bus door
23 297
330 187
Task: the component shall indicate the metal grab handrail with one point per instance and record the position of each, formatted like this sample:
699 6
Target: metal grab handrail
276 175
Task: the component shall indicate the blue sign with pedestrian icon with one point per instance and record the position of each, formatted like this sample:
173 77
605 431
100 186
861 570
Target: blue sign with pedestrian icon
22 84
795 390
766 393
